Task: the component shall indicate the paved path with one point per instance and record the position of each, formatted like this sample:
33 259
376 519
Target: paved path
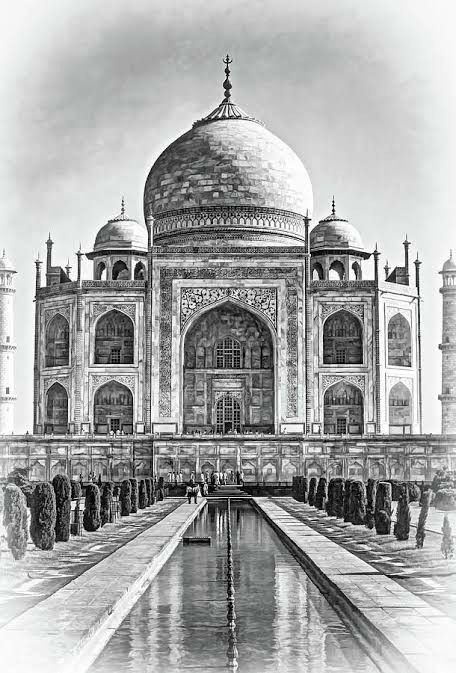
412 634
25 583
58 633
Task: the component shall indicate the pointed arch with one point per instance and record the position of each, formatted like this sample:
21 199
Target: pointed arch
56 410
140 271
336 271
101 272
343 409
120 271
57 342
114 339
342 339
113 408
317 271
399 342
400 408
356 267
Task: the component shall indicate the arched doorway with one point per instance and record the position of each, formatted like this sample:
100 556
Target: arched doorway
400 409
140 271
120 271
399 342
58 342
343 409
113 409
56 410
114 338
342 339
228 377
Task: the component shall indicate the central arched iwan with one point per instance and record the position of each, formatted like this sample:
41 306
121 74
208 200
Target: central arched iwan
228 351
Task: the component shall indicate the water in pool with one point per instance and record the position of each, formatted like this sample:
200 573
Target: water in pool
283 623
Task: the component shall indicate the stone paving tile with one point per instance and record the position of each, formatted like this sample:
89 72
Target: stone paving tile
49 571
395 612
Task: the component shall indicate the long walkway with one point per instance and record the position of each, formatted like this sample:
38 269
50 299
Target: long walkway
58 633
417 636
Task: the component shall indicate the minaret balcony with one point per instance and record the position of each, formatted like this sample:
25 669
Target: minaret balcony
447 347
447 397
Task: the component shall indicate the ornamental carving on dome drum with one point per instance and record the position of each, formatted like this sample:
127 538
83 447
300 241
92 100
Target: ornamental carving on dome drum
263 299
290 274
328 381
329 309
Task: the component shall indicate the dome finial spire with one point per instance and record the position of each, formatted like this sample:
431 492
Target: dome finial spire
227 84
333 208
122 206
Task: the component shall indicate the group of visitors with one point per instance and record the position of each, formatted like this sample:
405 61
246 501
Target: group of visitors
211 481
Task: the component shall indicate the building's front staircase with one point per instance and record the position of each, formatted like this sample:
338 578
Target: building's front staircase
228 491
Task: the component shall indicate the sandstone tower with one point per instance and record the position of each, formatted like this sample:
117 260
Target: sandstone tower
7 347
448 347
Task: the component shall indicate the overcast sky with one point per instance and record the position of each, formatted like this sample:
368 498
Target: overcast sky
363 91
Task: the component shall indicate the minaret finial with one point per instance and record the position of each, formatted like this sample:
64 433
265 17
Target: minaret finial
227 84
122 206
333 208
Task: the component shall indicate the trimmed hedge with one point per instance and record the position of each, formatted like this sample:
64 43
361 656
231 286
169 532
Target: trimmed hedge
91 519
106 503
382 512
347 506
134 495
62 489
44 515
15 520
125 497
445 499
425 502
447 546
312 490
303 489
329 506
148 481
357 503
76 489
321 494
371 493
339 493
143 500
402 526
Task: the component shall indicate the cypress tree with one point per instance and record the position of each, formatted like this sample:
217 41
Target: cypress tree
339 497
447 546
106 503
134 495
91 519
125 497
357 503
402 525
312 490
44 515
76 489
347 493
382 514
62 489
148 481
142 494
321 494
15 520
371 493
425 502
330 508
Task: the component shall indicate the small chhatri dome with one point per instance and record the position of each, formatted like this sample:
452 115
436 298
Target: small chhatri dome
121 233
228 177
6 264
334 233
449 265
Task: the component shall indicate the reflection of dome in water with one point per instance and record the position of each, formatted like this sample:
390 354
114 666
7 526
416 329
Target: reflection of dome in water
228 173
121 233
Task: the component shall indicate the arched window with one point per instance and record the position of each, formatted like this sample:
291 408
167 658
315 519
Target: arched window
140 271
400 408
317 271
113 409
56 410
228 415
399 342
342 339
100 273
120 271
343 409
336 271
114 337
314 469
228 354
356 270
57 342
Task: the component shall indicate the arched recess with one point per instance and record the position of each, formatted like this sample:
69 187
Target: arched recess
56 410
37 471
120 470
399 342
343 409
100 272
400 408
244 370
114 339
355 470
269 472
317 271
336 271
58 342
377 469
342 339
418 469
335 470
314 469
120 271
356 267
289 470
140 271
113 409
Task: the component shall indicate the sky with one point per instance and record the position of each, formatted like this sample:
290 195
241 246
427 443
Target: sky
362 90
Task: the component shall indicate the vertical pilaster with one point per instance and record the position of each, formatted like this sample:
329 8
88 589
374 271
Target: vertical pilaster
420 391
378 406
308 329
148 329
36 371
79 354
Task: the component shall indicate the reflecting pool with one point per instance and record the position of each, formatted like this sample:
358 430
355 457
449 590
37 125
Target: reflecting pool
283 623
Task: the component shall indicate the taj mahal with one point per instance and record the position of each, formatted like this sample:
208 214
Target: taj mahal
229 330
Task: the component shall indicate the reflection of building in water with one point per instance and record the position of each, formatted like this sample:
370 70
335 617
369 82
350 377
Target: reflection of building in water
226 315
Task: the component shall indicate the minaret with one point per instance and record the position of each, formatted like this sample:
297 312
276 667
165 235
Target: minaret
7 347
448 347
